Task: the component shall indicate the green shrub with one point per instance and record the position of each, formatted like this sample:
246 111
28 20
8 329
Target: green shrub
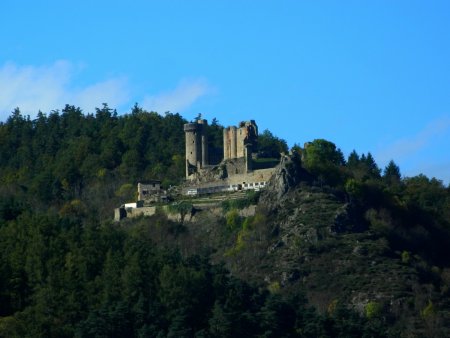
183 208
373 309
233 220
406 257
428 311
126 192
251 198
274 287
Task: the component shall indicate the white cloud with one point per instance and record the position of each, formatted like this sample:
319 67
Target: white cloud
184 95
113 91
440 170
45 88
407 147
50 87
424 152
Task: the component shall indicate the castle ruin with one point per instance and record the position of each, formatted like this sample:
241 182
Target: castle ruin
235 172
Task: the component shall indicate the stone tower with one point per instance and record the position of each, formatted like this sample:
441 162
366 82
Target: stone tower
229 143
239 142
196 146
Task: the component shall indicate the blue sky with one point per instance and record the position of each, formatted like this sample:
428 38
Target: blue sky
366 75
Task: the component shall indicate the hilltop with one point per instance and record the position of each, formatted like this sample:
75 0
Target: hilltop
330 247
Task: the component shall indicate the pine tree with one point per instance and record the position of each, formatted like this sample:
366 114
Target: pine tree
391 173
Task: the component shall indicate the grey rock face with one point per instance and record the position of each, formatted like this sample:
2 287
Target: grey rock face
287 175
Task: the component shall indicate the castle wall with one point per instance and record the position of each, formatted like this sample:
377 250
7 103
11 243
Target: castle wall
203 142
248 158
145 211
243 180
235 139
233 142
204 150
236 166
240 137
238 144
230 143
119 214
262 175
226 144
145 190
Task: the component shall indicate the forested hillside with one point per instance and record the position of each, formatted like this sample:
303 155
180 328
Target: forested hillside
88 160
337 247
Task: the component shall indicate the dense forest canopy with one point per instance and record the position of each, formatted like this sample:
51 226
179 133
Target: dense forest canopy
66 270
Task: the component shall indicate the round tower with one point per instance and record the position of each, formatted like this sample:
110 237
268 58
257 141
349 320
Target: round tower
196 146
193 146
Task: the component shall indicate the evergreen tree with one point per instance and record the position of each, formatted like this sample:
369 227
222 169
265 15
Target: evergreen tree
353 160
391 173
371 166
270 145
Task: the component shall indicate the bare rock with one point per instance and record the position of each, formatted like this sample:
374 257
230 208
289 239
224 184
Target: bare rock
287 176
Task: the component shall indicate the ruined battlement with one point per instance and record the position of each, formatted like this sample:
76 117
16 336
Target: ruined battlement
234 173
235 169
193 127
239 142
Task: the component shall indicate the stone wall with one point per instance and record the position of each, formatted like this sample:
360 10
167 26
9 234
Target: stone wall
145 211
262 175
236 167
146 190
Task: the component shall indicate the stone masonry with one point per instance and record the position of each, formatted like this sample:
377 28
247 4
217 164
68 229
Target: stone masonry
196 146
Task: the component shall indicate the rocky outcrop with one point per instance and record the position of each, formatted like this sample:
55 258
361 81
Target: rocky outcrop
208 175
286 177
